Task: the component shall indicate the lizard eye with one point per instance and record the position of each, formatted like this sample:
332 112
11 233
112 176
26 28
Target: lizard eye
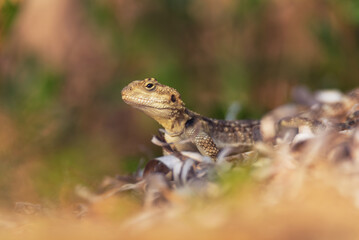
150 86
173 98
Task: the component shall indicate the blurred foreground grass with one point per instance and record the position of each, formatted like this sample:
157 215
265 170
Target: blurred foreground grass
238 209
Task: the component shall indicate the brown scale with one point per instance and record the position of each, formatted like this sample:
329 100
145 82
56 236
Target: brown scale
233 131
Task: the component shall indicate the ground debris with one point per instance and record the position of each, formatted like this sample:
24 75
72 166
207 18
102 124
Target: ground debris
299 139
27 208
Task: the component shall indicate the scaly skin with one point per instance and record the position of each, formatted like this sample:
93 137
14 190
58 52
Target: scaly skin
206 135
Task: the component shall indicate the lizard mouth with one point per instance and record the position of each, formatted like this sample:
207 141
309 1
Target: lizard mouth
142 102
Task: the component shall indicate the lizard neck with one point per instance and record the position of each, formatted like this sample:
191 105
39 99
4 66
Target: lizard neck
175 123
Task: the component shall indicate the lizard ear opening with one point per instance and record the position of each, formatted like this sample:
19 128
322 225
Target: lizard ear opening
173 98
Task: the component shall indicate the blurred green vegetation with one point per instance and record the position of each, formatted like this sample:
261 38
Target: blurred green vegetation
63 65
9 11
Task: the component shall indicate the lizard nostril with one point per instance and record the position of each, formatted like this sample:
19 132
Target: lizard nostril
125 90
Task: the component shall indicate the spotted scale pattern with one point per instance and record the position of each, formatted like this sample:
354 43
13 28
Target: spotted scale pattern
206 145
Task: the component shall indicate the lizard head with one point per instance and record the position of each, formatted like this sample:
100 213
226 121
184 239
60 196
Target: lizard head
155 99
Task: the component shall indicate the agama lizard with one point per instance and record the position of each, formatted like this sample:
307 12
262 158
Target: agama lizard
185 129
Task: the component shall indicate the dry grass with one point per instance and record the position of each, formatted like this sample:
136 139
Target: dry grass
317 211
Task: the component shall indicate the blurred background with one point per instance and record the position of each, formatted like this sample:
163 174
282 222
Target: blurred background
63 64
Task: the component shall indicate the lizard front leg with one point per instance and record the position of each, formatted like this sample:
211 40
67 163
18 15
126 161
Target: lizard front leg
202 140
205 145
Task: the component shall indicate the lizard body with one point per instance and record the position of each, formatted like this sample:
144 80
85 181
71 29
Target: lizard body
185 129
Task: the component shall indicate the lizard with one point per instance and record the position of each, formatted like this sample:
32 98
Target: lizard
184 129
